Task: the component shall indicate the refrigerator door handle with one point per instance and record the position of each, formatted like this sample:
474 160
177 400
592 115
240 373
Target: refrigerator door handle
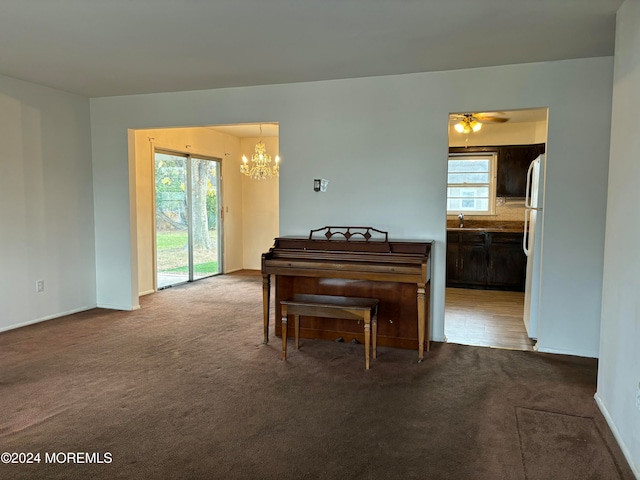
527 195
525 237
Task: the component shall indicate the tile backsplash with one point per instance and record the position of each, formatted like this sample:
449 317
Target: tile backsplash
507 209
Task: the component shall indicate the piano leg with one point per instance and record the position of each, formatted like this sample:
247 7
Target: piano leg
266 292
421 320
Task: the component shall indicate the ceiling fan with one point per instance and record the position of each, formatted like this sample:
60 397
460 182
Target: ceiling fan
472 122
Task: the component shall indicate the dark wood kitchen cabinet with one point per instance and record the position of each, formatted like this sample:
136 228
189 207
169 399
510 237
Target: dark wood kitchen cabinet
485 260
466 258
513 162
507 261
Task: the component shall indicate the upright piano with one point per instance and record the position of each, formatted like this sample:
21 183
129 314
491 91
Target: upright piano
358 262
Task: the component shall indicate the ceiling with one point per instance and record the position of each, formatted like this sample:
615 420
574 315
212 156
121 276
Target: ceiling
99 48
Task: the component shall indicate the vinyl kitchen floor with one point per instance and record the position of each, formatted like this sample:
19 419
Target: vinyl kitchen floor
486 318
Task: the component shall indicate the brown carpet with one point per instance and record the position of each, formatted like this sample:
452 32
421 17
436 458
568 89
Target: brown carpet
184 388
563 446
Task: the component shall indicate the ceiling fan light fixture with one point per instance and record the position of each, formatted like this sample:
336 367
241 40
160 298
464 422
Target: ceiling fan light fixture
468 125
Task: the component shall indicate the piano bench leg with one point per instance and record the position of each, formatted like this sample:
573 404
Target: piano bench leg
367 341
284 333
374 323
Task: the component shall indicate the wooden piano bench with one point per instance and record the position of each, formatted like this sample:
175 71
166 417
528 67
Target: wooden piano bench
330 306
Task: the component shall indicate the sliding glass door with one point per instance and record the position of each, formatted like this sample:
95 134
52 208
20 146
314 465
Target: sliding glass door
205 192
188 227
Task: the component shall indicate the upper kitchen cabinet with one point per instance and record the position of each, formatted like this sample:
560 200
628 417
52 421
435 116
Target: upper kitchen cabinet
513 162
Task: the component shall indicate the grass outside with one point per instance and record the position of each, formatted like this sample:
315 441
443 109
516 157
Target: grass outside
172 254
198 268
175 239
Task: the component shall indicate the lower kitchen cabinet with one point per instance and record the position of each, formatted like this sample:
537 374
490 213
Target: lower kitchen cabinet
466 259
481 259
507 261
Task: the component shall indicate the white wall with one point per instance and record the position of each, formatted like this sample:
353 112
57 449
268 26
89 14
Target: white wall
47 229
619 366
260 219
197 140
382 144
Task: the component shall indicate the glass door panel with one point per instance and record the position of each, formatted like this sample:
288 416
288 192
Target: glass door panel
188 224
205 221
172 220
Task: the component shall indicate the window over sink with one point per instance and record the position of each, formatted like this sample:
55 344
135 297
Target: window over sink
471 183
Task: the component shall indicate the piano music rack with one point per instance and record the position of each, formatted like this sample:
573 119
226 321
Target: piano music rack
372 236
349 233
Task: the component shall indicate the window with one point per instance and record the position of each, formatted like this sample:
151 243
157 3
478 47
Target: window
471 186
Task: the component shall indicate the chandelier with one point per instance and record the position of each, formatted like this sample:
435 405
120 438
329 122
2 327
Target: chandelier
261 167
467 125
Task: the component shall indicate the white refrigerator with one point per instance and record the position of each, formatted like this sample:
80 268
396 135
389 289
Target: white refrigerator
532 244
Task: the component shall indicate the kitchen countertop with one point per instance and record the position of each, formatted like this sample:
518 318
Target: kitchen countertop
485 226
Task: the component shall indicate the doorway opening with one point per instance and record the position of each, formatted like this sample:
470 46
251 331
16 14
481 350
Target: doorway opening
489 154
241 229
188 227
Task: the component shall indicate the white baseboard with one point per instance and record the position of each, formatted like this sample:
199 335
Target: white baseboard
126 308
49 317
616 434
235 270
142 294
576 353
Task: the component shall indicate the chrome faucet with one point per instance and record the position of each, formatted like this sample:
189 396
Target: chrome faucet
461 218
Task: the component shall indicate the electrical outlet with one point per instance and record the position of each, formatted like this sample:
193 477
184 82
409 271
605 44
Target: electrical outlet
39 286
